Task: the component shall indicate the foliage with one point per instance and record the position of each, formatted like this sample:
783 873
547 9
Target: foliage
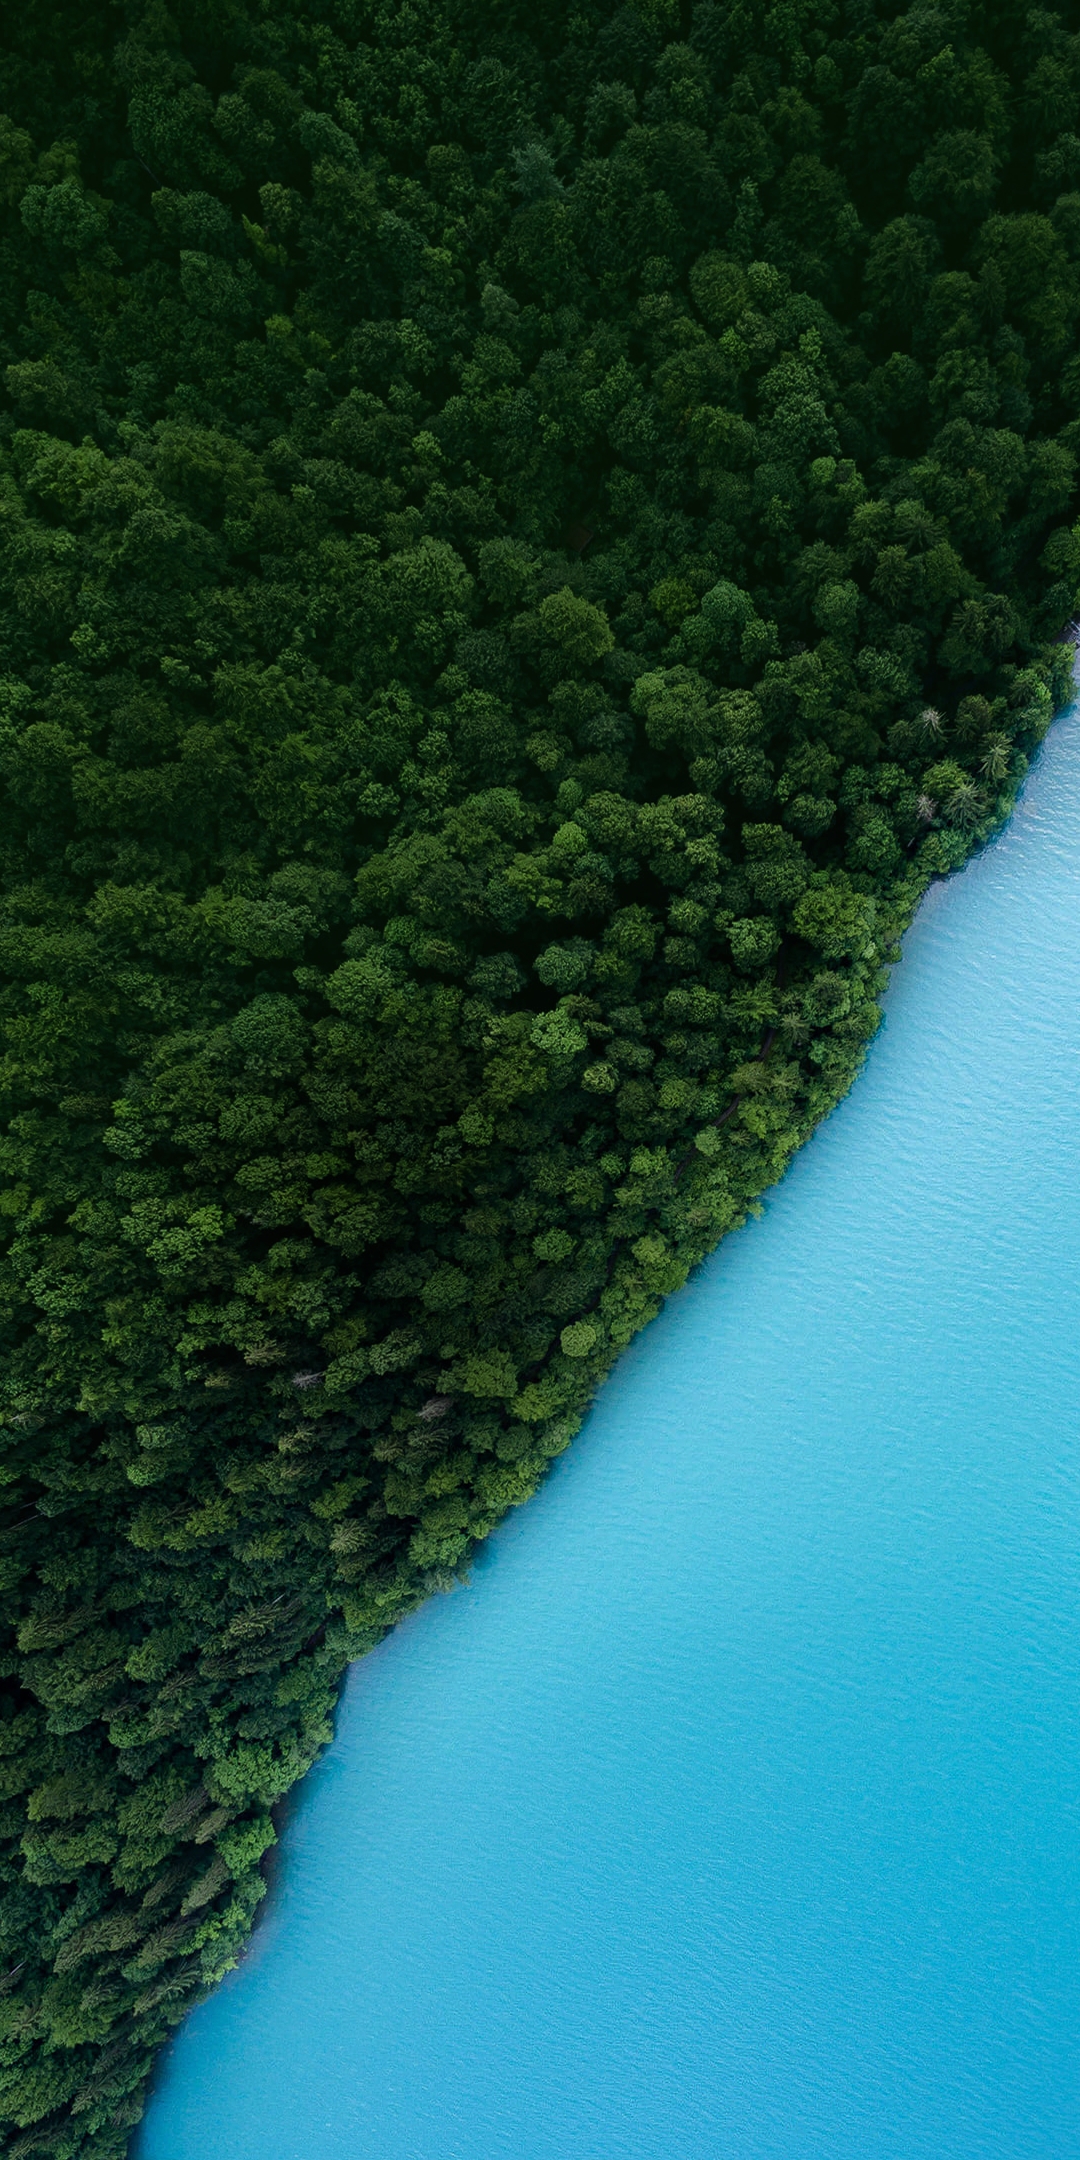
528 537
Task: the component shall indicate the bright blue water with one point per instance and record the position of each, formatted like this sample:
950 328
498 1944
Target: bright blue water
732 1812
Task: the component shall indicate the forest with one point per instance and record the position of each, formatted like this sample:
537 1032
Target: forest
528 536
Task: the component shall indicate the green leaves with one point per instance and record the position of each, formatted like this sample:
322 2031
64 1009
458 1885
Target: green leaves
839 923
64 217
579 629
719 287
674 703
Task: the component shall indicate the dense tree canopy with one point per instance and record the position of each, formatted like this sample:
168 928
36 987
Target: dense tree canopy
527 536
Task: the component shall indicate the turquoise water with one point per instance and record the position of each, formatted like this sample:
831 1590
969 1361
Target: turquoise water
733 1811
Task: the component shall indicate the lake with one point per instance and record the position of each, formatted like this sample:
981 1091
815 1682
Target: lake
732 1812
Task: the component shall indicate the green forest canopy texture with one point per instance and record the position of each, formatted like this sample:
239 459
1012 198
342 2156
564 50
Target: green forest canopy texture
529 534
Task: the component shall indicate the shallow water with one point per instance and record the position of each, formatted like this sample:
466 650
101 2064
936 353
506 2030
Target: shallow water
733 1811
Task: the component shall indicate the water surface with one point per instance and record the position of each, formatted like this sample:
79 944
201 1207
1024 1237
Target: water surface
733 1811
